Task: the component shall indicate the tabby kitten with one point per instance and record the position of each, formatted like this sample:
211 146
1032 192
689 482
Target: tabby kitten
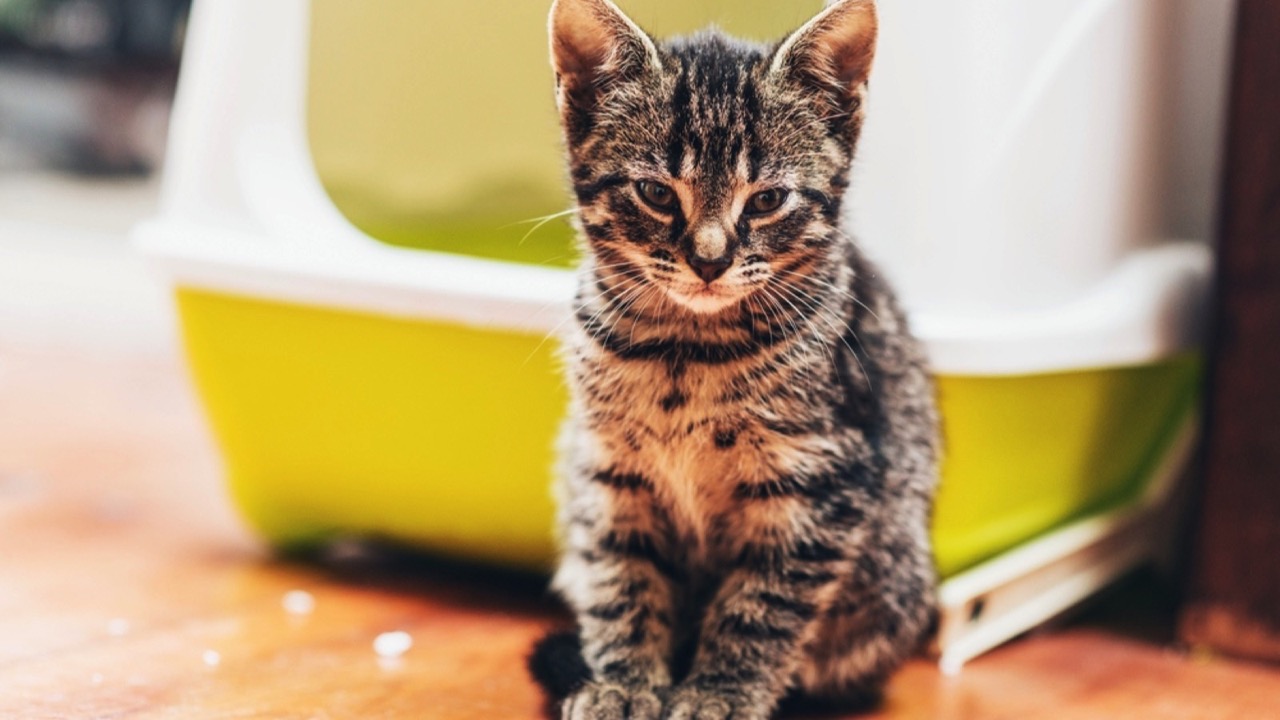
751 453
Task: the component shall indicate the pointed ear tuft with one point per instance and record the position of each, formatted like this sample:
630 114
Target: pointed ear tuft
832 53
593 44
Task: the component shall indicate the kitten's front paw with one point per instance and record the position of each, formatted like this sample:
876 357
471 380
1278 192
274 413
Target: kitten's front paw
697 704
603 701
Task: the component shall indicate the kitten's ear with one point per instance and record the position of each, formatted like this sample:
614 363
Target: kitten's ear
832 53
593 44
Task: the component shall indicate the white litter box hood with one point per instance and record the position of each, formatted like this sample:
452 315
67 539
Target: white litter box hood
1017 152
1013 181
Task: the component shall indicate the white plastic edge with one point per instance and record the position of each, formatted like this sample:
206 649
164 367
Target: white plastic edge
1149 308
1041 579
372 278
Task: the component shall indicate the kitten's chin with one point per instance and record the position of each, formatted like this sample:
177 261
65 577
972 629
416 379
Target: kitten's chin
705 301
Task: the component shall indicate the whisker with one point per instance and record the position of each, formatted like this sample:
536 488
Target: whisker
654 291
540 219
577 302
792 355
540 222
844 292
840 329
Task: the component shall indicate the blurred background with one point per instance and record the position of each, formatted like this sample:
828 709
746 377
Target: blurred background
86 87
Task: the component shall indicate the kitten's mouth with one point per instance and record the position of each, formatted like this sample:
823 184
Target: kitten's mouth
705 299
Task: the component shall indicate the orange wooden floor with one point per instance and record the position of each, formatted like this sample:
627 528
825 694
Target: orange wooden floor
127 590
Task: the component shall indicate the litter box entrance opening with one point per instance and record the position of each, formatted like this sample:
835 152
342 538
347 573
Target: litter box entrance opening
433 125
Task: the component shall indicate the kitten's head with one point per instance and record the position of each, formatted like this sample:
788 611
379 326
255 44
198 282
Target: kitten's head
706 166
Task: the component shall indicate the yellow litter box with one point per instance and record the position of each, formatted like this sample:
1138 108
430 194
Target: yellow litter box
374 342
441 435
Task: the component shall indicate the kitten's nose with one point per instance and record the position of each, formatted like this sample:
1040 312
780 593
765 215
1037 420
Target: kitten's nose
709 270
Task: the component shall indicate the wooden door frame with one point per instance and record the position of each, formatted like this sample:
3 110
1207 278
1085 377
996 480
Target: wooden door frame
1234 582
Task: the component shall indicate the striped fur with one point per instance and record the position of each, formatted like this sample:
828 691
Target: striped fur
749 463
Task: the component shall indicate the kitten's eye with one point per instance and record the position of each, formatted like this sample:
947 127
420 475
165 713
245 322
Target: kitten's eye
660 197
766 201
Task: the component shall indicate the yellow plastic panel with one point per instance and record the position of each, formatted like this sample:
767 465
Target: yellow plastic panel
333 422
1024 454
433 124
440 436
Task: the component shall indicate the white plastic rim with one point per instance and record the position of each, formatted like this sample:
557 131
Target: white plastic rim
1148 309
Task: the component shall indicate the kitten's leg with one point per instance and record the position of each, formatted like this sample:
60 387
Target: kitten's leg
617 576
883 615
754 632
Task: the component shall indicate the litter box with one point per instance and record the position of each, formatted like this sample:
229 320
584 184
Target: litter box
371 325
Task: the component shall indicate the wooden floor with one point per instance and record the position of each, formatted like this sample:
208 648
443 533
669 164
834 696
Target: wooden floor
127 590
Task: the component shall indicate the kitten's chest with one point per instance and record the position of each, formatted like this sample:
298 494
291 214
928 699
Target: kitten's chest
680 428
655 407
